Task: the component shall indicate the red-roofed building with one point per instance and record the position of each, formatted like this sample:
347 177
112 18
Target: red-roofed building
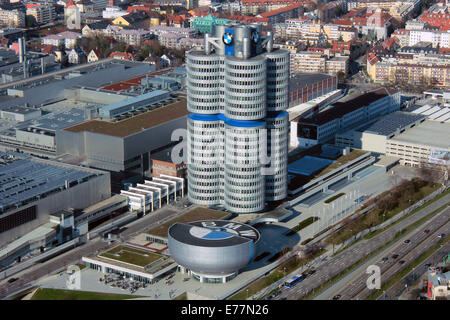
341 47
281 14
258 6
122 56
343 22
402 35
70 4
436 19
390 44
444 50
48 49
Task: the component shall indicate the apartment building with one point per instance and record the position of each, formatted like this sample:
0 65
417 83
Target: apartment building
344 115
41 12
309 61
259 6
12 18
413 69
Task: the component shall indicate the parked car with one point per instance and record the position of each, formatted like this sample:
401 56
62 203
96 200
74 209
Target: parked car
12 280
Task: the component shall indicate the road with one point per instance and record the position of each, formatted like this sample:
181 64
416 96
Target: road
353 282
29 275
398 288
420 242
355 253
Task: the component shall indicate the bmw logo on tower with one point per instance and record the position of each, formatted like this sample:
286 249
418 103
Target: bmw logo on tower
228 38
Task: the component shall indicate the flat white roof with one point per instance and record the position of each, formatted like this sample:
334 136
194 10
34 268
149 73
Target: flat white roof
429 133
431 111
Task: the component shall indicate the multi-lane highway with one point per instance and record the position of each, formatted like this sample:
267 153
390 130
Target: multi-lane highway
395 291
398 258
349 257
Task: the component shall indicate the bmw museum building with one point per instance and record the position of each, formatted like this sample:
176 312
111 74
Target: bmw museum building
212 251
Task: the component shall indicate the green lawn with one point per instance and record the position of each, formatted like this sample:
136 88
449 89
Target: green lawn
303 224
337 196
131 255
59 294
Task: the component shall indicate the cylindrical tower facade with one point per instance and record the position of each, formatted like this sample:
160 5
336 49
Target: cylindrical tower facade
238 91
244 184
277 149
277 80
205 83
204 159
245 88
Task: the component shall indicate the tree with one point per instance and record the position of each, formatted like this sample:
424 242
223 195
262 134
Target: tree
341 76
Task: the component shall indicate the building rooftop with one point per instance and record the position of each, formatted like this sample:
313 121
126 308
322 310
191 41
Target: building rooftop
133 100
20 110
198 213
55 121
341 108
301 80
136 123
197 235
430 133
25 179
308 165
134 256
390 123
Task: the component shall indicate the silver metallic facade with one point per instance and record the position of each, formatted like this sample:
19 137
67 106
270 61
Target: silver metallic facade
211 260
213 257
238 91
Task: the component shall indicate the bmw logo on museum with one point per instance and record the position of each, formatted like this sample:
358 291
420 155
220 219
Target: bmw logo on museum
212 251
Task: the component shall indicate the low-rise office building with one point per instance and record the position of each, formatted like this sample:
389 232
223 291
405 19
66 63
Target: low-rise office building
406 136
344 115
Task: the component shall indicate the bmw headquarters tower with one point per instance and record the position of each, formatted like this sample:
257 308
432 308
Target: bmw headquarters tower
237 139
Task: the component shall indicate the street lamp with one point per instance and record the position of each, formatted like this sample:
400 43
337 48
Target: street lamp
247 294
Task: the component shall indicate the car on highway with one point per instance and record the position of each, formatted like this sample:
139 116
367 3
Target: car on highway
428 265
407 241
401 261
337 297
12 280
426 231
394 256
442 235
311 272
385 259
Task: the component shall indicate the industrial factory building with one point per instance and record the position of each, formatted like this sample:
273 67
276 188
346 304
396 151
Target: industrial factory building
32 189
